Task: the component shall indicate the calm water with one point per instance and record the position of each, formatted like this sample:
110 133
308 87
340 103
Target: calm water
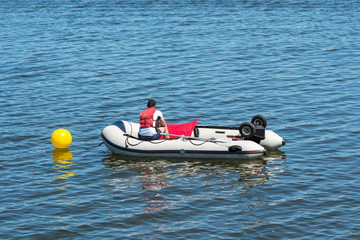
82 65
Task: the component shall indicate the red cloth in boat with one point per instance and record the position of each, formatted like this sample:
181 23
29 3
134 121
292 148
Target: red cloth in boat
181 129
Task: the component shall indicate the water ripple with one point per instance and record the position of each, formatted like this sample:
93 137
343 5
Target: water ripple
82 65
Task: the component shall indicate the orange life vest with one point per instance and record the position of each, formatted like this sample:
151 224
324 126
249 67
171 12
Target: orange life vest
147 118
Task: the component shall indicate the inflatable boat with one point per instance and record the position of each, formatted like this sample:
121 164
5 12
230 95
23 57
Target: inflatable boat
250 140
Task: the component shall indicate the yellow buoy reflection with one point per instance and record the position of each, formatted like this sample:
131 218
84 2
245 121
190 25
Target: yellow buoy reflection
62 159
62 163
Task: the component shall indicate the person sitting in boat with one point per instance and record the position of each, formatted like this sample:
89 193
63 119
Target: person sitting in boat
152 123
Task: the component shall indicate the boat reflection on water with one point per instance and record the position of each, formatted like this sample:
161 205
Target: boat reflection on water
62 164
274 154
155 175
153 179
255 173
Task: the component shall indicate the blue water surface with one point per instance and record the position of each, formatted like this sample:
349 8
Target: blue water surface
82 65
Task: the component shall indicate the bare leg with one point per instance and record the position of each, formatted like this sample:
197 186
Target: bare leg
165 130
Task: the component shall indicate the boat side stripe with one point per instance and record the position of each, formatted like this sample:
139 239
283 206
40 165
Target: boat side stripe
178 151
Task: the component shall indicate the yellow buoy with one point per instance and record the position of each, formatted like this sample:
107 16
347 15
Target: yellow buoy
61 138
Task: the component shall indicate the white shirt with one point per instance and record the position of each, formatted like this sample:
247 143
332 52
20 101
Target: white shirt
151 131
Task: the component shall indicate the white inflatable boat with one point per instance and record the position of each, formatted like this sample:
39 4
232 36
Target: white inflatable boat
249 141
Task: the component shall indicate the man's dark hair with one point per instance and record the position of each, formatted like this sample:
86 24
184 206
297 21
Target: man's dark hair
151 103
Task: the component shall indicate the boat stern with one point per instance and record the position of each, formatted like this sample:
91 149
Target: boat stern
272 140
